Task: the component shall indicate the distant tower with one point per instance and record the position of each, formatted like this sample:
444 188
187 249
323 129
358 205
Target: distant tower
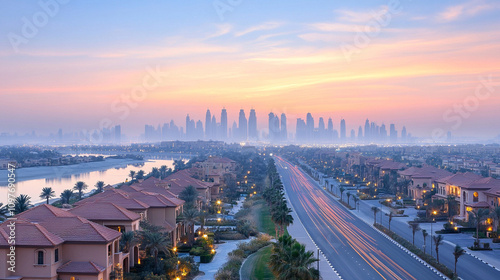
393 133
234 131
252 125
118 133
301 130
223 124
284 132
310 126
208 125
213 127
342 130
243 126
360 133
188 130
367 130
383 133
403 134
353 135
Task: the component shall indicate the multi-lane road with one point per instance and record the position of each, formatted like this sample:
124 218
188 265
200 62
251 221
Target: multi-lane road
355 249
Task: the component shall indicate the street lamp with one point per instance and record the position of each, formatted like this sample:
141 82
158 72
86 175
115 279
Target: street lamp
433 219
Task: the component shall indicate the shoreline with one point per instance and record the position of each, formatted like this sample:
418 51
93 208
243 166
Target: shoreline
61 171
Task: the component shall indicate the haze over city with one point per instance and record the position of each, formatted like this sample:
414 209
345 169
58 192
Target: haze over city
403 62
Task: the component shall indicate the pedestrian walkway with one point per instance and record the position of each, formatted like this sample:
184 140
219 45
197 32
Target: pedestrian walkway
220 258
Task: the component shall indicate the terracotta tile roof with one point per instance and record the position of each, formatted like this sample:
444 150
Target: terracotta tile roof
431 172
178 181
104 211
409 172
68 226
80 268
117 197
29 234
392 165
220 160
460 179
481 204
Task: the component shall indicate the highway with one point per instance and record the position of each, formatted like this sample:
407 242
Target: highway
356 250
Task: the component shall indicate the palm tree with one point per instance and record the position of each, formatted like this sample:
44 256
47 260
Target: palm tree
163 171
348 194
375 210
496 218
189 195
66 195
189 217
47 193
390 219
355 200
22 203
155 172
99 186
425 234
155 242
414 228
131 175
458 252
479 216
281 216
290 260
341 189
80 187
438 240
450 201
140 174
128 240
3 211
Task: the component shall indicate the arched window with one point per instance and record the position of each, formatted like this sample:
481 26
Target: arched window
475 197
39 257
465 196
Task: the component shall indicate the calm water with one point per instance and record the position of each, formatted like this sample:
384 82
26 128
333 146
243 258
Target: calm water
61 178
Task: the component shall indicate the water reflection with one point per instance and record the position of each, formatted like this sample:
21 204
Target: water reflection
66 179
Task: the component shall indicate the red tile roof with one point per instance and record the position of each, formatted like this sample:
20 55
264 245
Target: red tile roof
460 179
68 226
28 234
80 268
104 211
178 181
431 172
118 197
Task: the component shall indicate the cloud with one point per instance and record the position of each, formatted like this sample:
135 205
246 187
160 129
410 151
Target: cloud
222 29
265 26
465 10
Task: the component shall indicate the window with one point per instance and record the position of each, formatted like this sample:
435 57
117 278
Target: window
56 253
72 278
475 197
40 257
109 250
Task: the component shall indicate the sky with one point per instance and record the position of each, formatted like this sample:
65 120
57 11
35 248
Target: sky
79 65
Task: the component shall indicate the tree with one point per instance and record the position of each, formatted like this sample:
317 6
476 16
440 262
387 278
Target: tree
479 216
155 172
458 252
375 210
496 218
128 240
139 175
355 200
341 189
154 243
451 202
189 217
414 228
189 195
281 216
22 203
348 194
131 175
390 219
80 187
66 195
425 234
290 260
47 193
179 165
438 240
3 211
99 186
163 171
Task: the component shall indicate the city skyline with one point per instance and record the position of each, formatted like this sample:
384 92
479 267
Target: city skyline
421 64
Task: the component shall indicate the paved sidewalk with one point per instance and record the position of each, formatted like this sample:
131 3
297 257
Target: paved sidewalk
220 258
298 231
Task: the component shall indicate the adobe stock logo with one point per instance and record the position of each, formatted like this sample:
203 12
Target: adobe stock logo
31 26
463 110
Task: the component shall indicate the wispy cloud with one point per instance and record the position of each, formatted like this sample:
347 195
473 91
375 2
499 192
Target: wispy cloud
464 10
264 26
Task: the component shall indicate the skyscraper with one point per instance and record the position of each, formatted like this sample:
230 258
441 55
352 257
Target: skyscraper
208 125
367 130
284 132
252 125
360 134
300 130
383 133
310 126
321 129
223 124
118 133
403 134
243 126
213 128
342 130
274 127
393 133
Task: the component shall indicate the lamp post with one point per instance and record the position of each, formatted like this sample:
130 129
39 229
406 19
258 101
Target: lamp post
433 219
